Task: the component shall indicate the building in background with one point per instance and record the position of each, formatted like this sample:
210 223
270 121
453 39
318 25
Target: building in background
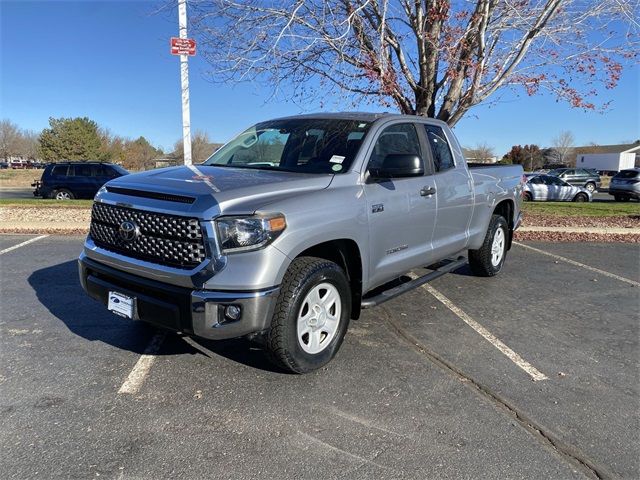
608 159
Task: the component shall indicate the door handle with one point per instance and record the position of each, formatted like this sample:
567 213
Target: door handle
427 191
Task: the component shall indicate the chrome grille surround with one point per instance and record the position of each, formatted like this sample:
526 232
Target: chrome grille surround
165 239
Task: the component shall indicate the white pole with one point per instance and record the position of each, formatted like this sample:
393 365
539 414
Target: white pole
184 84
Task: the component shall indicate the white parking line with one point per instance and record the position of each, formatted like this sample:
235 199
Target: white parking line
535 374
136 377
31 240
578 264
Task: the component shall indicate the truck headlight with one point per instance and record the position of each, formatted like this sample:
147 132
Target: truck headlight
242 234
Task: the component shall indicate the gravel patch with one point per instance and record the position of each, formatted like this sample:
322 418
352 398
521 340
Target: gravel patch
532 219
577 237
53 215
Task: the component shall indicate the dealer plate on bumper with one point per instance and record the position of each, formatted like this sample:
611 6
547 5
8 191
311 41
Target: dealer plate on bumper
121 304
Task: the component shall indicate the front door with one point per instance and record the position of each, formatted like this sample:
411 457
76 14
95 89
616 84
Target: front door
401 215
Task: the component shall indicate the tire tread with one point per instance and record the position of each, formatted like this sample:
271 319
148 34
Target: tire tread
300 269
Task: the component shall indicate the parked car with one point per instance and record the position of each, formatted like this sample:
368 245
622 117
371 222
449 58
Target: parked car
625 185
4 165
68 180
283 234
551 188
580 177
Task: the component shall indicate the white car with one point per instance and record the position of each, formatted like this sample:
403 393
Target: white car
550 188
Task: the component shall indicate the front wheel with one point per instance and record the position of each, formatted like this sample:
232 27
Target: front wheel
311 315
487 261
591 187
581 197
527 197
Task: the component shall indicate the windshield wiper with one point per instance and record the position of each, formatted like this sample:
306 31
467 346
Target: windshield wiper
252 167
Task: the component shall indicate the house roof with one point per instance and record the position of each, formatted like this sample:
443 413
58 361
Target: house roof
619 148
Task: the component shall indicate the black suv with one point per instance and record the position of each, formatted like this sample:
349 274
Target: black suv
67 180
580 177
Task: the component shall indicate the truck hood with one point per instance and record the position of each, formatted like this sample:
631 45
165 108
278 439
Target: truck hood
228 190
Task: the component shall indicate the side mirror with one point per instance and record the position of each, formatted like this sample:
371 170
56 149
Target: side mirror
399 165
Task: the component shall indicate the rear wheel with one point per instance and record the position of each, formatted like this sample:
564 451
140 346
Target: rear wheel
581 197
591 187
487 261
311 316
62 194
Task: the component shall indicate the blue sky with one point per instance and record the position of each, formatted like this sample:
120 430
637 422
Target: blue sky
110 61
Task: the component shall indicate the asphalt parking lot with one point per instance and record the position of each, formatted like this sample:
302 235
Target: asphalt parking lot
438 383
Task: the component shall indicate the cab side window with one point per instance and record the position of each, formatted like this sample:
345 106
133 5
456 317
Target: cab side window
442 157
396 139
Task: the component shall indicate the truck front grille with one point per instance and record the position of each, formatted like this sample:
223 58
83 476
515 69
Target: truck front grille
157 237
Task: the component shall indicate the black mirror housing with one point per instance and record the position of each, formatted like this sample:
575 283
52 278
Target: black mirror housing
399 165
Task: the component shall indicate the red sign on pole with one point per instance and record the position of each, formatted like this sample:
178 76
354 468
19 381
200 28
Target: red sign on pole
183 46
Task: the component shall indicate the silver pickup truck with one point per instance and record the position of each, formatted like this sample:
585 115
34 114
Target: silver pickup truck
293 227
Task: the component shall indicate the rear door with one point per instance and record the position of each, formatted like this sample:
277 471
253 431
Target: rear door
539 187
569 176
454 195
401 218
81 180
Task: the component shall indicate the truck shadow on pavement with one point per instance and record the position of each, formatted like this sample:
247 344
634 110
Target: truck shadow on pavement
58 290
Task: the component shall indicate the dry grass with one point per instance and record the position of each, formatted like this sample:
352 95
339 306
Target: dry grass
19 178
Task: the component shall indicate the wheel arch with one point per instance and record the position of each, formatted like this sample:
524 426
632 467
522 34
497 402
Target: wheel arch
346 253
506 208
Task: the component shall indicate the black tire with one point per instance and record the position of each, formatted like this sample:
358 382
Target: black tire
581 197
283 346
527 197
63 193
617 198
480 260
590 186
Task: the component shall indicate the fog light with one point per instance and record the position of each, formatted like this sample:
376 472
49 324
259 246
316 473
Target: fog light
232 312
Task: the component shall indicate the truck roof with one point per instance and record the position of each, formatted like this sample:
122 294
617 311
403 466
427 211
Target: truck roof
362 116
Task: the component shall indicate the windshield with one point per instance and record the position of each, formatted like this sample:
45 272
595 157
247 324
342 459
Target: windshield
120 170
296 145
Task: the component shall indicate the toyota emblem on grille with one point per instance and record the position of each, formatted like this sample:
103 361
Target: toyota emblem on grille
128 231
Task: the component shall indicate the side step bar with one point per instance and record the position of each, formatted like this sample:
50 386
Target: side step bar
410 285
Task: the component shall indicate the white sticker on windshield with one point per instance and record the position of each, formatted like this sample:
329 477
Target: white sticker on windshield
336 167
336 159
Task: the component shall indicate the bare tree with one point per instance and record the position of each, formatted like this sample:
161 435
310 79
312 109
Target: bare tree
563 146
11 140
427 57
481 153
201 147
29 144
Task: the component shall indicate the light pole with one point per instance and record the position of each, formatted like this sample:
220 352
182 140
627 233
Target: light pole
184 84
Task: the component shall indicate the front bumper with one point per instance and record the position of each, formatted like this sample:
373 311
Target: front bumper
197 312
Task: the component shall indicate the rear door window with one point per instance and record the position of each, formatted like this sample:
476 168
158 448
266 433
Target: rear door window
80 170
442 156
59 170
